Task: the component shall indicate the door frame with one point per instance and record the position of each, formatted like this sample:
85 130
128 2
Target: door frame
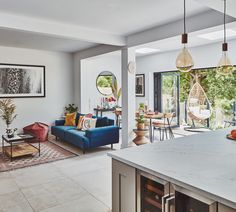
157 77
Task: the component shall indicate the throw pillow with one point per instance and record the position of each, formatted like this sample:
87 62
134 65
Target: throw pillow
89 123
102 122
81 120
70 119
80 123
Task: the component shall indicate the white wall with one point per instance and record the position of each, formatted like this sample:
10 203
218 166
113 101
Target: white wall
90 69
59 85
203 56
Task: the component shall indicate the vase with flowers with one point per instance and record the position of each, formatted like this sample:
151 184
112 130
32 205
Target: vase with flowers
7 113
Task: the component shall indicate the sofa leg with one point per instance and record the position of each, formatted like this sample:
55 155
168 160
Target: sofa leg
111 146
83 151
56 138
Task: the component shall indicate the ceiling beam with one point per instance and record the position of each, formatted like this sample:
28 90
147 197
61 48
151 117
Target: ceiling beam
201 21
219 6
61 30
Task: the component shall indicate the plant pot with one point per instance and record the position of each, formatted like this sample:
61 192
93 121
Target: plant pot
141 126
10 135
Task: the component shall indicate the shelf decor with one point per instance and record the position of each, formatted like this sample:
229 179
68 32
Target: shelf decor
18 81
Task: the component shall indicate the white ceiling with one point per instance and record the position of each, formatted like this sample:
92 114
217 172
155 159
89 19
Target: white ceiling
218 5
114 16
74 25
21 39
174 43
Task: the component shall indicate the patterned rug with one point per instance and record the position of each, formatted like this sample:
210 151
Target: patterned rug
49 152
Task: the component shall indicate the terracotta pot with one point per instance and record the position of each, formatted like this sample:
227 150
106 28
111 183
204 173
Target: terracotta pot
140 126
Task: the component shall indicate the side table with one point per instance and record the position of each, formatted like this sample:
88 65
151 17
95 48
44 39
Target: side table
140 138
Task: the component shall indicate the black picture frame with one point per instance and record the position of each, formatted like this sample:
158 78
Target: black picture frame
140 85
23 81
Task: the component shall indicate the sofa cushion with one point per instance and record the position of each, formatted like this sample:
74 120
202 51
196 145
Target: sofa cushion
59 131
77 138
102 121
70 119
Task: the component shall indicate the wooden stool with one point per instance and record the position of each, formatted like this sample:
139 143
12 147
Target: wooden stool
140 137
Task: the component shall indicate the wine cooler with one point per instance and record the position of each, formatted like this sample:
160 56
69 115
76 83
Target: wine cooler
157 195
151 192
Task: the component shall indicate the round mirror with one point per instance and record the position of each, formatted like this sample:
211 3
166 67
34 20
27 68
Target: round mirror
104 82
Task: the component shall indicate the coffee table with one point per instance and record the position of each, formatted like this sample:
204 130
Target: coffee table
19 145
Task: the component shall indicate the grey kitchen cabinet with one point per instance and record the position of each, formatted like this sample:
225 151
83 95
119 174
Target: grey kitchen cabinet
123 187
223 208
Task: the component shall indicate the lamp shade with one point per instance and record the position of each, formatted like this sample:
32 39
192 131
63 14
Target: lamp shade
184 61
224 66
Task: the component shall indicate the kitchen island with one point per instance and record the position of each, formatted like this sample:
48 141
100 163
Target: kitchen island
196 169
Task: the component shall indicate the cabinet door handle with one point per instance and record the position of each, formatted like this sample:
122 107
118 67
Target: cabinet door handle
163 201
170 201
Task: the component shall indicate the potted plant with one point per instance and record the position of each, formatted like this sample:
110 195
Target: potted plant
141 122
7 113
71 108
141 107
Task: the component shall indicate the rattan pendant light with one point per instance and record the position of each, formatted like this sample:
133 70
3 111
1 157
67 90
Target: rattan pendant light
184 61
224 66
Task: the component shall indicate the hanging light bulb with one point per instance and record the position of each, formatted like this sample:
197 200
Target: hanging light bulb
184 61
224 66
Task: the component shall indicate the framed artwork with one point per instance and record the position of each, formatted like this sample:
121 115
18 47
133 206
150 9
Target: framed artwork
21 81
140 85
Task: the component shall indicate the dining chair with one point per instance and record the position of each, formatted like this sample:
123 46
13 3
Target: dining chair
164 127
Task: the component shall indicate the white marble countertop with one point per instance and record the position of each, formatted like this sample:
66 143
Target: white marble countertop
204 163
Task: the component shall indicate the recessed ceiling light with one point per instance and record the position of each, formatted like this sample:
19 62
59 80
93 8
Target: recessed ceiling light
218 34
146 50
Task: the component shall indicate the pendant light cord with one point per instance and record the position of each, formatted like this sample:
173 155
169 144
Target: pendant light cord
224 21
184 16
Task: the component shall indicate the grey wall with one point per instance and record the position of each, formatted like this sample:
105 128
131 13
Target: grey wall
59 85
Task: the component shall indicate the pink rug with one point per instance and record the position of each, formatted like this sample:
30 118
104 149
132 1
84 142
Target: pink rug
49 152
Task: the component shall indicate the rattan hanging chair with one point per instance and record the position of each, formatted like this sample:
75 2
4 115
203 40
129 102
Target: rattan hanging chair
198 106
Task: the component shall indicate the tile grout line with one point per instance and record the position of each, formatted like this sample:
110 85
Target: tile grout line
27 200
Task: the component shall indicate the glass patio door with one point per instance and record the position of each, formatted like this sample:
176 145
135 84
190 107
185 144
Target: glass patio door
166 93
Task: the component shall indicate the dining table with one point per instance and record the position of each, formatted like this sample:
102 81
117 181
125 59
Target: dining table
152 117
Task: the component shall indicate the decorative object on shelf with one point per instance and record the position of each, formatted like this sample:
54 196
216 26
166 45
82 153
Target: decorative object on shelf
224 66
184 61
132 67
22 81
140 85
140 122
104 82
7 113
71 108
116 92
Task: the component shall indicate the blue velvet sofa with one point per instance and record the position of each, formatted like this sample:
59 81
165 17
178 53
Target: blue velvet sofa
105 133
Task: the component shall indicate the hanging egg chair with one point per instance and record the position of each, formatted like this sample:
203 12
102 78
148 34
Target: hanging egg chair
198 107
